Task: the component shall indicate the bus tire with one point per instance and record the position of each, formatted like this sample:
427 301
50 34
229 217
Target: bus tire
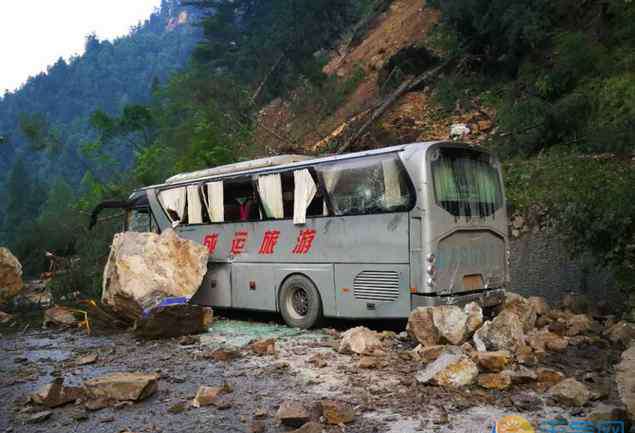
300 302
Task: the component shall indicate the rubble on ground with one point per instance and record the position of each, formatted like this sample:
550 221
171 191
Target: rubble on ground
446 324
5 317
10 276
56 394
210 395
337 413
144 268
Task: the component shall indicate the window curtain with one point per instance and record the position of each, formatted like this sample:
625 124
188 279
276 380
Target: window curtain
305 190
215 202
392 185
194 208
270 190
445 181
174 200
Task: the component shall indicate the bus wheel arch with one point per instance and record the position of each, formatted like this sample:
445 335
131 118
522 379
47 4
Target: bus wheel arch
300 302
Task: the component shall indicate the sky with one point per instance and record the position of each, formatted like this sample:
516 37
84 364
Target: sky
35 33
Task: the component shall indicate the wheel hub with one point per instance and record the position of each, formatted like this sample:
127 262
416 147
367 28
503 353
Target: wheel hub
300 301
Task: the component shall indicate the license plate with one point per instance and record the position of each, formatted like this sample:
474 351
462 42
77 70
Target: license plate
472 282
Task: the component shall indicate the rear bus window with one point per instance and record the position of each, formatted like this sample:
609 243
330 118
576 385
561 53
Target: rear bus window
466 183
367 185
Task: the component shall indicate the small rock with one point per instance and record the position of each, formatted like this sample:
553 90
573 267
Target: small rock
450 369
498 381
223 355
362 341
56 394
96 404
428 354
179 407
122 386
337 413
318 360
209 395
260 413
421 327
292 413
526 356
257 427
570 392
549 376
263 347
310 427
39 417
522 375
493 361
61 316
91 358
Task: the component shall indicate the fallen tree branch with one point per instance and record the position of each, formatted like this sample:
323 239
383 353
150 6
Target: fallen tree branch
262 84
405 87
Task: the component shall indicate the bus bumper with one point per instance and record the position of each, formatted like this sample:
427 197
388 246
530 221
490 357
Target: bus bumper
485 298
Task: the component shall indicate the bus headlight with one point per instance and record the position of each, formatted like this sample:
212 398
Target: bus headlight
431 258
430 281
431 269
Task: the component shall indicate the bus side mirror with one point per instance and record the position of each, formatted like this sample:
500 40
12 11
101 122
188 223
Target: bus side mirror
112 204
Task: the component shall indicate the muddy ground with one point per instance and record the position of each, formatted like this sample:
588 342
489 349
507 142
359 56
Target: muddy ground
305 367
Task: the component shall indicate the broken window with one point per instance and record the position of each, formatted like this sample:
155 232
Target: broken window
240 200
140 220
367 185
466 183
173 202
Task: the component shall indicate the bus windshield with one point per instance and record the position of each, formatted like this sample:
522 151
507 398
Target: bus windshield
466 183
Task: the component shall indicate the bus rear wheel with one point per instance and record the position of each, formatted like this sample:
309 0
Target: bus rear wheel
300 303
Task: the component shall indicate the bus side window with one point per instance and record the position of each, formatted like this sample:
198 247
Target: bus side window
240 200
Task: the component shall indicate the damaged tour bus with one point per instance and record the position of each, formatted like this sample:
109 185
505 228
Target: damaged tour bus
366 235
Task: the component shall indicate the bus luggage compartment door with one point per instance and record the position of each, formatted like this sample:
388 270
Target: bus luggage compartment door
372 291
216 290
253 286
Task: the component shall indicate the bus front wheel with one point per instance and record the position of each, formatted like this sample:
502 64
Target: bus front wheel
300 303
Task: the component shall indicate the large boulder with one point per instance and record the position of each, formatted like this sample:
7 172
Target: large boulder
452 369
144 268
10 276
625 379
504 332
174 321
362 341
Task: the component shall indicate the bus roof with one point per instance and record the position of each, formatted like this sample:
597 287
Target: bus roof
283 162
